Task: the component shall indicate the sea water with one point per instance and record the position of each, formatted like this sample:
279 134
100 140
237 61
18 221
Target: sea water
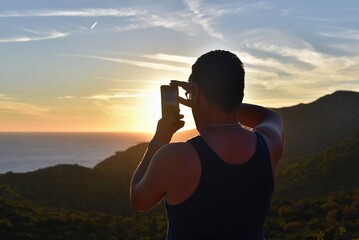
24 152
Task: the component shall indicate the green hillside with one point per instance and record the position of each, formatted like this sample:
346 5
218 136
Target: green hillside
333 170
317 198
21 219
104 188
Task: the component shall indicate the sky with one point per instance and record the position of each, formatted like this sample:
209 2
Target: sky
94 65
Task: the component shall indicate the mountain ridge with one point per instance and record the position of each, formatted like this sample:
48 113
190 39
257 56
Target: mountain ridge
312 127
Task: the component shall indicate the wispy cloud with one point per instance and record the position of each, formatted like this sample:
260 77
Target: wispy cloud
350 49
176 21
86 12
204 17
314 19
195 19
116 96
208 16
292 66
112 95
125 80
4 96
15 105
38 37
24 108
65 97
145 64
321 62
352 34
172 58
152 65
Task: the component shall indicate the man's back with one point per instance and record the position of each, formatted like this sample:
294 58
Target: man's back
230 199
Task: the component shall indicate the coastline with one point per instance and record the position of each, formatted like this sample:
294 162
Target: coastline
29 151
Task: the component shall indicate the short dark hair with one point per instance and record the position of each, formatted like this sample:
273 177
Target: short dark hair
220 75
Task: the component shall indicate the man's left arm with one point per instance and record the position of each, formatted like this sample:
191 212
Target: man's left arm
145 192
148 182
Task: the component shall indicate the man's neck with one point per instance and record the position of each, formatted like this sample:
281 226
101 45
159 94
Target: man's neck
217 119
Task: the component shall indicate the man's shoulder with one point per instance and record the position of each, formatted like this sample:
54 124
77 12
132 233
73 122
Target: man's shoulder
175 153
178 148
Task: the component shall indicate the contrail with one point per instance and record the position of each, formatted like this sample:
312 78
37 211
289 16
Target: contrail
94 25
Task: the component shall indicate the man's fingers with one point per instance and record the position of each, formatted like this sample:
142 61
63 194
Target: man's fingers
185 102
185 85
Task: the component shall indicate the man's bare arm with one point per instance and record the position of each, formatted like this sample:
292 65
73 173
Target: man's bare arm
268 123
146 187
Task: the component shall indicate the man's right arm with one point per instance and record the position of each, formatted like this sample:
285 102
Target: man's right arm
266 122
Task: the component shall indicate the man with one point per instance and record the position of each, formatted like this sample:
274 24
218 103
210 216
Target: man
219 184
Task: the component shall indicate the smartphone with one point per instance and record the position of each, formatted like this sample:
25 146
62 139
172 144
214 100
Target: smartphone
169 103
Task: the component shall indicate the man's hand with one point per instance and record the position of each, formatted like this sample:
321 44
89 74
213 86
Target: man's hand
166 127
188 87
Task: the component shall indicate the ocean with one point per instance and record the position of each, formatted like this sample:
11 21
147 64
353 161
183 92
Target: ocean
25 152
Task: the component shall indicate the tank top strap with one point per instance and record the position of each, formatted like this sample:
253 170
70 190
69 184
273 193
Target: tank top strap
205 153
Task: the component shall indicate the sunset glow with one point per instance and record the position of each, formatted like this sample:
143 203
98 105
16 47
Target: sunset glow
98 66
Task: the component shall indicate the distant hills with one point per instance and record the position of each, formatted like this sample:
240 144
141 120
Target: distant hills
317 125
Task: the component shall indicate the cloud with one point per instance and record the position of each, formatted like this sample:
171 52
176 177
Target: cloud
352 34
145 64
195 19
350 49
24 108
11 104
65 97
207 16
179 21
176 21
314 19
321 63
204 17
172 58
125 80
38 37
4 96
87 12
116 96
292 66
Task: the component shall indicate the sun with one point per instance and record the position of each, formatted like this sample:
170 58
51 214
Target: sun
151 109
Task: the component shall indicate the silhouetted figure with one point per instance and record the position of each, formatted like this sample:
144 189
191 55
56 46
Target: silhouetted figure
219 184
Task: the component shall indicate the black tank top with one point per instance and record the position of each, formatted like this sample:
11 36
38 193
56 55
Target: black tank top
230 202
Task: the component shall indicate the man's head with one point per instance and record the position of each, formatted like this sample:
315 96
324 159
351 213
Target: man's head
220 76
